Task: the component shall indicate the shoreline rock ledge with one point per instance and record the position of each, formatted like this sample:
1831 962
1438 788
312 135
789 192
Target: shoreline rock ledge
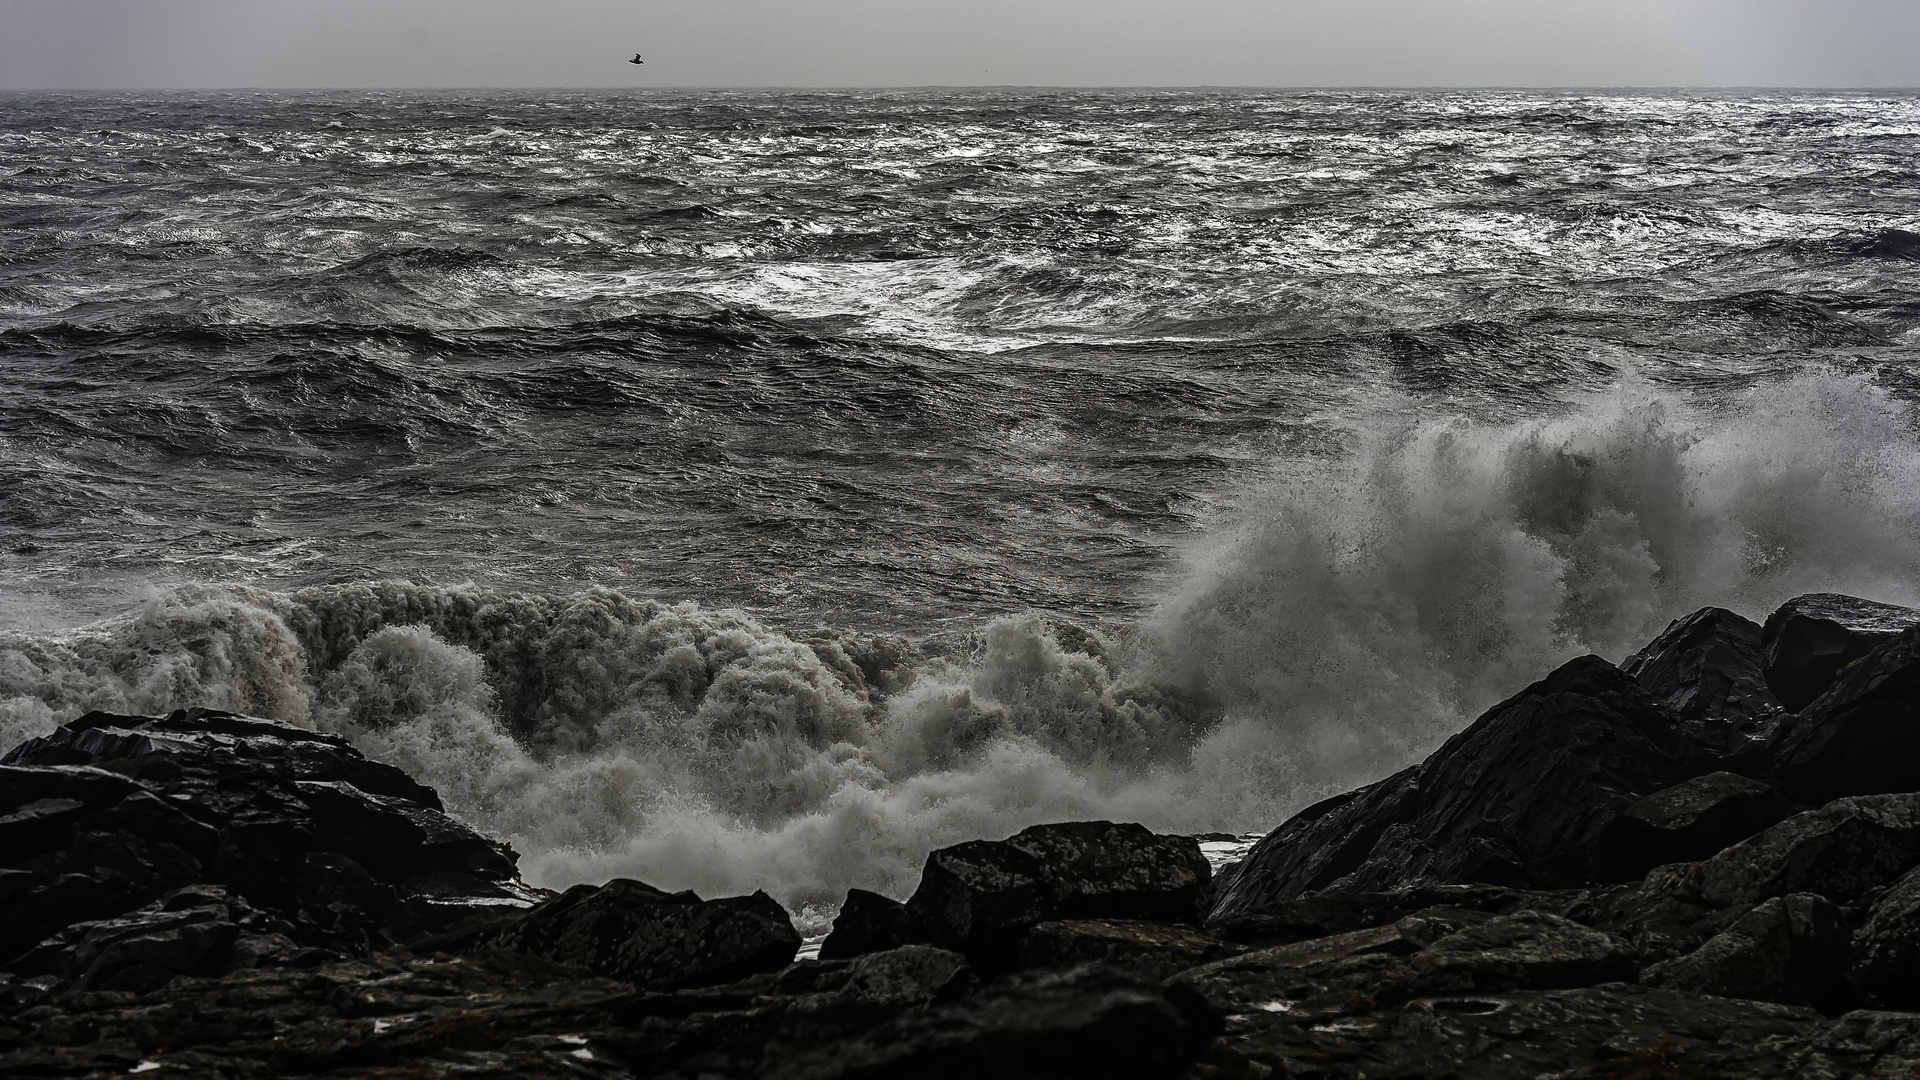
1703 863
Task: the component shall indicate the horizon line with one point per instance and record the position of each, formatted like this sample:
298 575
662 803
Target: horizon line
855 87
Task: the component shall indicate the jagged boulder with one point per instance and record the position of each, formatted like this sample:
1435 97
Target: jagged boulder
1519 798
306 755
629 930
140 950
1840 851
1687 822
1791 949
867 923
981 897
1862 735
1810 638
1886 948
112 813
1100 869
1708 668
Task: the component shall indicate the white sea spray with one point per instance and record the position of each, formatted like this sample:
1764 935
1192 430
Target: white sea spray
1352 612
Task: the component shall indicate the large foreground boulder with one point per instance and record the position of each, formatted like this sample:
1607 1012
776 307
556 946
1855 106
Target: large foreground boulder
305 755
982 897
304 842
631 931
867 923
1810 638
1861 736
1519 798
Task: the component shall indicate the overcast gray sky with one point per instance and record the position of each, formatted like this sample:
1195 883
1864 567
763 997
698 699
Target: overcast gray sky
374 43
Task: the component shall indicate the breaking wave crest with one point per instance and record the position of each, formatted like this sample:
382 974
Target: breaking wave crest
1353 612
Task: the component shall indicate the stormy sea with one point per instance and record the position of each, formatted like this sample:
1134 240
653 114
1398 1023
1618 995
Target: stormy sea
749 489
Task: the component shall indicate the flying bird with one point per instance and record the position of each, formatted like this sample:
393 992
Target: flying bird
636 59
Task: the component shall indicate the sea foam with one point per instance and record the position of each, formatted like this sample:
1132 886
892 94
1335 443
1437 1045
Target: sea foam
1350 613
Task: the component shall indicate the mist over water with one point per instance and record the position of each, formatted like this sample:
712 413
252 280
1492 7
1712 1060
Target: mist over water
749 491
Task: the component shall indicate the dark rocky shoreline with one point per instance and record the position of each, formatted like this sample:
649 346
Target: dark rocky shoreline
1702 863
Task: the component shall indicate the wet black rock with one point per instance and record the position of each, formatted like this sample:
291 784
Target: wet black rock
306 755
1286 921
1528 950
1663 916
631 931
908 975
1810 638
1402 937
179 893
1862 735
111 815
1794 950
142 949
1519 798
1690 821
1089 1021
1149 949
1841 851
497 1016
1886 948
981 897
867 922
1100 869
1868 1044
1614 1030
1708 669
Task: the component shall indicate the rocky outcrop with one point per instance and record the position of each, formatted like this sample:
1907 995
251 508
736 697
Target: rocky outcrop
1793 949
1519 798
867 922
1150 949
1810 638
1861 736
1687 822
981 898
112 825
1708 669
631 931
1584 883
1841 851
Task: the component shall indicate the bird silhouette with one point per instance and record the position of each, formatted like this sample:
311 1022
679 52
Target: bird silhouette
636 59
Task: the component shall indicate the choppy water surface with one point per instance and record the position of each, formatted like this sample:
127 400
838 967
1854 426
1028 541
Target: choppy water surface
740 488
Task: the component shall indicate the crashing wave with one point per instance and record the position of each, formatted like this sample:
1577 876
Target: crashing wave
1354 612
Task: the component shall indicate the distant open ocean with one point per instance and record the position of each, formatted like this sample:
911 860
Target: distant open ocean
741 489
